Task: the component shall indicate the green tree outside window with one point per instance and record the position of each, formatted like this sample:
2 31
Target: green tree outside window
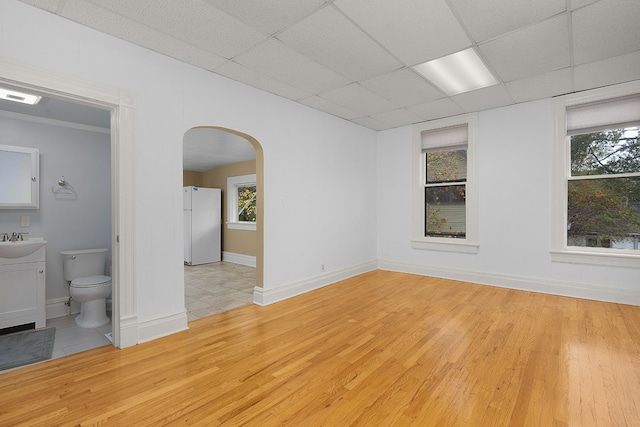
247 203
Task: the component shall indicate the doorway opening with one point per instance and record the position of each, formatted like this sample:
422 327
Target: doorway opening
121 109
217 157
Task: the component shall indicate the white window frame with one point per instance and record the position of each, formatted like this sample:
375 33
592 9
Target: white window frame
560 251
470 243
233 182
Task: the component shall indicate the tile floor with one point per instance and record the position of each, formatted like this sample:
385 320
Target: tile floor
209 289
217 287
71 338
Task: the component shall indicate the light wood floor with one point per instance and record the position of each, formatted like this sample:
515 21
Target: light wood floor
380 349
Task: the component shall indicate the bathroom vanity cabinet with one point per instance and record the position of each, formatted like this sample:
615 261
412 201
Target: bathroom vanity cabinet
22 290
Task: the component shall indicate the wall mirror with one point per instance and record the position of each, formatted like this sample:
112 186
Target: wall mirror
19 177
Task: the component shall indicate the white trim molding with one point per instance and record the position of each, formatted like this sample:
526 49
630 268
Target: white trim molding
57 307
241 225
531 284
150 330
128 331
618 258
449 245
268 296
248 260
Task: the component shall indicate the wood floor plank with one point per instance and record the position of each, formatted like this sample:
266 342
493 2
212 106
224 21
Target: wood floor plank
382 348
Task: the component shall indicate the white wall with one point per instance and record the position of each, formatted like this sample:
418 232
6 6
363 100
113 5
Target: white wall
514 163
319 171
84 158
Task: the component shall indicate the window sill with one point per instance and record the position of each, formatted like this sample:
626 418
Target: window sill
597 258
451 245
250 226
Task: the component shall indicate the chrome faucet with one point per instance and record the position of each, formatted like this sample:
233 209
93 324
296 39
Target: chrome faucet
15 237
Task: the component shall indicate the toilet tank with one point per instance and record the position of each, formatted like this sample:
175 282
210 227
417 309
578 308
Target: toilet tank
83 263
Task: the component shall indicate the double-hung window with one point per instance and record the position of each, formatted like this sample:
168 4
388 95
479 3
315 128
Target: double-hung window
445 192
597 194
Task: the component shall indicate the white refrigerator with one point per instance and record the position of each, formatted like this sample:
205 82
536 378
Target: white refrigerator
202 225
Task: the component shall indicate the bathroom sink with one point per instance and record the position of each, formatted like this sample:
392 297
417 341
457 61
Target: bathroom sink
21 248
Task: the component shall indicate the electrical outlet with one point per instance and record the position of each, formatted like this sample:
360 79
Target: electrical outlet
24 221
321 267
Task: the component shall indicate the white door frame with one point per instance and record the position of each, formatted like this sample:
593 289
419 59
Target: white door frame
122 106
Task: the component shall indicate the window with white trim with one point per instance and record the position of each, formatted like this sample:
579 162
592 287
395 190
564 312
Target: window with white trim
597 178
241 202
445 189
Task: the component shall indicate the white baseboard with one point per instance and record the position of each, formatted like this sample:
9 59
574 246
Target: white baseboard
157 328
131 332
247 260
262 296
127 336
568 289
57 307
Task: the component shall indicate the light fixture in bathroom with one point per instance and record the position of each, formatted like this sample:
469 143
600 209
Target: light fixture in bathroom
457 73
13 95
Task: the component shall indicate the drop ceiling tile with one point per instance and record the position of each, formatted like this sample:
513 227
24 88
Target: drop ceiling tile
403 88
620 69
206 33
398 117
437 109
243 74
332 40
577 4
370 123
329 107
126 29
50 5
192 21
490 18
413 30
605 29
534 50
268 16
282 63
185 52
101 19
359 99
484 99
547 85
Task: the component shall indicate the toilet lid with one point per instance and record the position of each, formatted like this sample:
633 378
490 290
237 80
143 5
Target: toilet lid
86 282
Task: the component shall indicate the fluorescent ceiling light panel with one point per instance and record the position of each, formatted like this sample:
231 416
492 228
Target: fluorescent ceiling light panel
457 73
25 98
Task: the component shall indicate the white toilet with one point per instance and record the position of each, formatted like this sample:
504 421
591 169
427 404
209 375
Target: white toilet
84 270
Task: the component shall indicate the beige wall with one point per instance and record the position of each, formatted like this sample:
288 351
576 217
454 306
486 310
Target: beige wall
235 241
192 178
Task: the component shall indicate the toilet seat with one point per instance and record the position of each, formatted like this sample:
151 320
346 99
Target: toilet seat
90 281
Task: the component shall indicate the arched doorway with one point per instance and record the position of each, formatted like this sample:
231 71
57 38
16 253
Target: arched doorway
217 157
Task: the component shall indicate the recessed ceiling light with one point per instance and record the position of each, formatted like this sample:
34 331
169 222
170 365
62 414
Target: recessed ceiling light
457 73
25 98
